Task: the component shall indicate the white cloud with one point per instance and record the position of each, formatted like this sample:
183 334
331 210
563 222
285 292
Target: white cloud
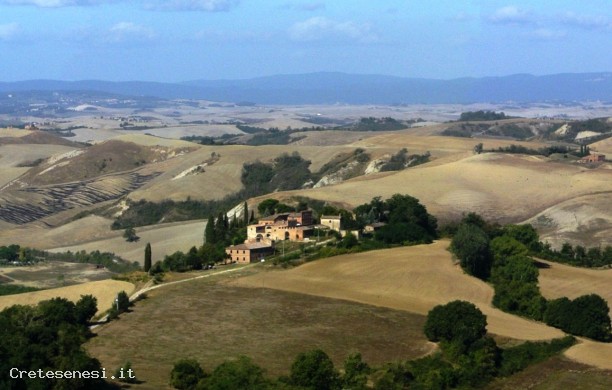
8 31
318 28
587 22
548 34
511 15
52 3
193 5
304 6
128 31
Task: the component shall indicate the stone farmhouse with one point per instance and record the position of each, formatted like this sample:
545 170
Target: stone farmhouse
248 252
285 226
261 236
331 221
593 158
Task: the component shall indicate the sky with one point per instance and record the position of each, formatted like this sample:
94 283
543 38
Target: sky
181 40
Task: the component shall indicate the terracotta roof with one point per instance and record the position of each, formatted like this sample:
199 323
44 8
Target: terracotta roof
250 245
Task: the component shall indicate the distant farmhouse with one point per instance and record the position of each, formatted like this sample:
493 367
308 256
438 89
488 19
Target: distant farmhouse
592 158
285 226
261 236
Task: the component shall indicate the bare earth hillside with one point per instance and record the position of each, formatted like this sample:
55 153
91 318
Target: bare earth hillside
584 220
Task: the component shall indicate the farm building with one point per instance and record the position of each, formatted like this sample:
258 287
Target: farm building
593 158
286 226
248 252
331 221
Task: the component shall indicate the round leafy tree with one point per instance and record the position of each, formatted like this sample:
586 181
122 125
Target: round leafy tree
457 322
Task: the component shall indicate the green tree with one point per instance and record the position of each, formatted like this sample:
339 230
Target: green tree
122 301
314 370
130 235
186 374
147 258
239 374
471 245
267 207
85 308
245 214
355 372
478 148
459 323
209 231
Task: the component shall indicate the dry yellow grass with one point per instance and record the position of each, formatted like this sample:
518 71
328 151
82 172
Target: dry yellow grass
603 146
498 186
105 291
592 353
12 132
165 239
414 279
565 281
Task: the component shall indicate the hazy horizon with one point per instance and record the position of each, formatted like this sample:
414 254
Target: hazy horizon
183 40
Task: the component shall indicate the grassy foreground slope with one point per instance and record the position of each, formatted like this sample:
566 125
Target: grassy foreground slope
211 322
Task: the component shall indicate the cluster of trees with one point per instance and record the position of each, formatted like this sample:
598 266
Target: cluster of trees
378 124
109 260
310 370
544 151
406 220
468 359
402 160
578 255
219 233
502 257
482 115
48 337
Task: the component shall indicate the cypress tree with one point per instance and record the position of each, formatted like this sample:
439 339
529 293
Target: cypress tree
147 258
209 232
246 214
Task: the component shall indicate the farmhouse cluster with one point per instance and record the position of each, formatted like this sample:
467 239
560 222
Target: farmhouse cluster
261 236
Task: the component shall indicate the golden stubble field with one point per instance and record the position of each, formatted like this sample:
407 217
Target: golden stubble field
416 279
502 187
561 280
104 290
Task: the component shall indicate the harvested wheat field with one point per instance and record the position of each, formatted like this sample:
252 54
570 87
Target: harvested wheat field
603 146
559 280
414 279
592 353
501 187
165 239
104 290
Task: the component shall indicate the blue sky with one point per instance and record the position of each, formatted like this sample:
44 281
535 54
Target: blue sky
182 40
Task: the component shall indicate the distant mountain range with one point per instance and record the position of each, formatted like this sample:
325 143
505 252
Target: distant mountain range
331 87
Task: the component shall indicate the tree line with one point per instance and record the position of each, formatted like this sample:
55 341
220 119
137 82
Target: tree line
502 256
